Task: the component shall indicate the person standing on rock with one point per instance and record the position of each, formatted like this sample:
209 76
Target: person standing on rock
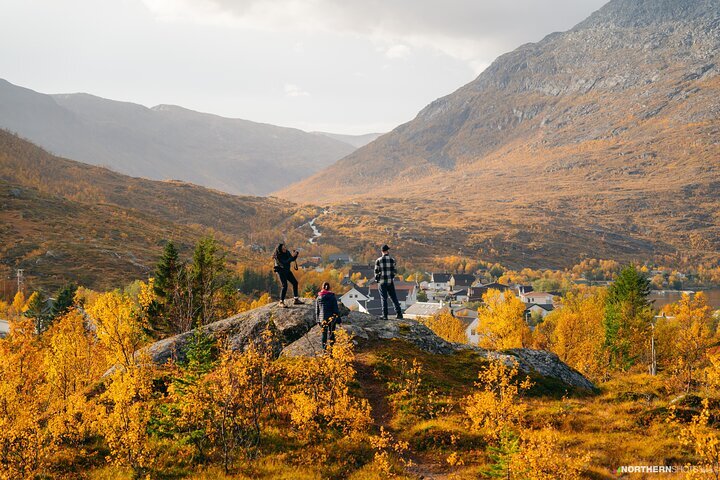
327 315
385 277
283 262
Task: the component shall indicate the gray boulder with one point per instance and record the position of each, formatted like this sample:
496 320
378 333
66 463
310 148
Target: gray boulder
239 330
298 335
367 329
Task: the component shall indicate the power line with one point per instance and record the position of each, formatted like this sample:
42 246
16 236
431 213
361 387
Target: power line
20 279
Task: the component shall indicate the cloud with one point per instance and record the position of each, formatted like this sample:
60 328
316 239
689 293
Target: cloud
473 31
397 51
292 90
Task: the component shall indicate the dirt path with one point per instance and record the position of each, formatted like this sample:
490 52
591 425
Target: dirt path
376 392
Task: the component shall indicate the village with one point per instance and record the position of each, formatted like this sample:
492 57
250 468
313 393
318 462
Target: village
457 294
461 294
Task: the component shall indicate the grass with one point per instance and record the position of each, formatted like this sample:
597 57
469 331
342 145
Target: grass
625 423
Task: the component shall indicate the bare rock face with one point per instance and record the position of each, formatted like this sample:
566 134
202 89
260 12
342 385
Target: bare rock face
240 330
549 365
299 335
366 329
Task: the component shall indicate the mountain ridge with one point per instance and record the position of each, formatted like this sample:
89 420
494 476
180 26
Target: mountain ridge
634 13
356 141
234 155
63 220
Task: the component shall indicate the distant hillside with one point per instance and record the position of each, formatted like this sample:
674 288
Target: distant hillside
63 220
356 141
167 142
602 140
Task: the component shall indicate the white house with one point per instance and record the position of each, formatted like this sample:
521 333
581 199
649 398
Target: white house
423 310
539 298
471 333
439 281
4 328
458 281
461 295
406 294
538 309
353 297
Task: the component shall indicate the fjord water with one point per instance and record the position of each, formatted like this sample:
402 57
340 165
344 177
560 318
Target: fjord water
664 297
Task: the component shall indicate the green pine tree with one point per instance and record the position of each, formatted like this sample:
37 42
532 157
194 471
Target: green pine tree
64 300
166 271
311 290
38 311
501 455
201 354
627 316
209 277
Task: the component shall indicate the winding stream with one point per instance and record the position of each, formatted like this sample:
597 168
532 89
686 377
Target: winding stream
316 232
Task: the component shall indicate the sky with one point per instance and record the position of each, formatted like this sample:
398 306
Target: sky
350 66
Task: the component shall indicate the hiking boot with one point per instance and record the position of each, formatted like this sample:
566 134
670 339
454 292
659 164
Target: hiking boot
384 318
281 304
399 316
298 302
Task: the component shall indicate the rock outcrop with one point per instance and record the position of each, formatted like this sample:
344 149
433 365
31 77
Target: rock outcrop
290 324
298 335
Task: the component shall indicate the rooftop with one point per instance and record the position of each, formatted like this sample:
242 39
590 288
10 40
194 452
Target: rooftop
424 309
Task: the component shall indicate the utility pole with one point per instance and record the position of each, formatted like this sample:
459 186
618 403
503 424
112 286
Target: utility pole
653 359
653 366
20 279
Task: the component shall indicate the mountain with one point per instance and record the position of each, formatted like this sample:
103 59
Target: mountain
63 220
356 141
602 140
163 142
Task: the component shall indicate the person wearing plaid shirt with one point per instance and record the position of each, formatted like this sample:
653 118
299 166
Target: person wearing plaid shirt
384 276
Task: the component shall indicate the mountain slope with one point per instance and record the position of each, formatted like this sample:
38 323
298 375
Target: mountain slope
236 156
356 141
599 140
63 220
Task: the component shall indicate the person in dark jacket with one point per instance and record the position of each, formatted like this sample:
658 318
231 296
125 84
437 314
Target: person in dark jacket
327 315
385 277
283 267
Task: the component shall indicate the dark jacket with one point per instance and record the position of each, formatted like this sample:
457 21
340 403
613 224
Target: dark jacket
326 306
284 260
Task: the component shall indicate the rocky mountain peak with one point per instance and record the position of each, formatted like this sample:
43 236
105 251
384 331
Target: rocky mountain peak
641 13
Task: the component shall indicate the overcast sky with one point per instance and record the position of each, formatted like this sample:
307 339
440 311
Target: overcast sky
353 66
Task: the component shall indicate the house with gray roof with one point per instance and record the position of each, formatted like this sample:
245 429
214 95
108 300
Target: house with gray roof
4 328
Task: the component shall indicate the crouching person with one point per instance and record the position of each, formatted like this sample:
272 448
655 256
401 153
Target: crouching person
327 315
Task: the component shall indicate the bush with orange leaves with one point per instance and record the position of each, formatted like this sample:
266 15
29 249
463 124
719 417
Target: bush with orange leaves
126 407
683 339
501 322
74 361
26 442
229 404
576 332
496 405
319 398
703 439
447 327
497 410
541 456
